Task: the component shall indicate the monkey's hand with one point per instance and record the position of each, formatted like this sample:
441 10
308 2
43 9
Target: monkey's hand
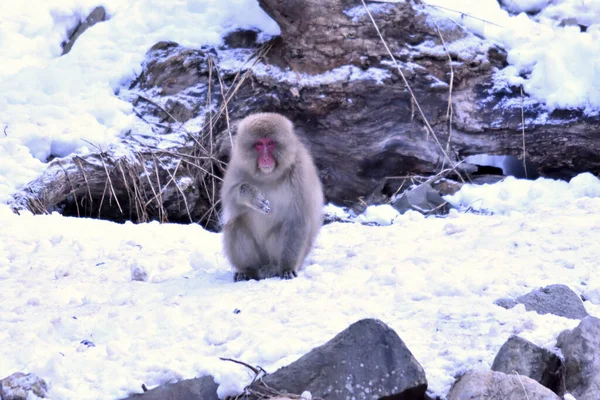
251 196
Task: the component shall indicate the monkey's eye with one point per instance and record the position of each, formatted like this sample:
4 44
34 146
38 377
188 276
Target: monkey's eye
270 143
258 145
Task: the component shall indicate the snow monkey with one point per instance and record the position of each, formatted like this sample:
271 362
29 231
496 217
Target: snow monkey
272 200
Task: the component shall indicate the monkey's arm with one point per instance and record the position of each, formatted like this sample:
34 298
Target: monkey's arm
246 194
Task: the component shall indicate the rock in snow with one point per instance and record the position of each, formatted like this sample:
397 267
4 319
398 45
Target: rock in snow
521 357
367 360
423 199
490 385
203 388
552 299
19 385
581 350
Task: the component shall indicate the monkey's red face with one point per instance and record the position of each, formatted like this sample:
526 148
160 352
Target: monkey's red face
266 161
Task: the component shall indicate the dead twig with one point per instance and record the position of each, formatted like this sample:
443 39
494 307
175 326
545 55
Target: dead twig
157 198
77 162
258 387
523 133
522 385
257 370
462 14
410 91
449 111
73 192
172 175
112 188
221 85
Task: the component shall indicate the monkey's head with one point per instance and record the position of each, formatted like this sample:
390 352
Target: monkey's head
266 144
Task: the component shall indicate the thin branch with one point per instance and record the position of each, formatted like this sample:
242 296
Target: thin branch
111 185
523 133
449 111
412 95
77 162
463 14
250 367
72 187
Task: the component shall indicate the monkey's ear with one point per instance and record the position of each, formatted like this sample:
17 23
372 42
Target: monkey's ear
233 127
290 124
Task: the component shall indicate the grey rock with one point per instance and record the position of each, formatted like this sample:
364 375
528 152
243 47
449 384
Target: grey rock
521 357
490 385
553 299
506 303
19 384
423 199
98 14
367 360
581 351
204 388
446 187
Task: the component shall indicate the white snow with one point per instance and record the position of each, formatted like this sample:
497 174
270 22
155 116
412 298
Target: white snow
515 195
434 280
52 105
357 12
558 65
98 308
346 72
529 6
381 215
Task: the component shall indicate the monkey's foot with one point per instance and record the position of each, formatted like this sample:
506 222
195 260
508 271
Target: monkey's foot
288 274
240 276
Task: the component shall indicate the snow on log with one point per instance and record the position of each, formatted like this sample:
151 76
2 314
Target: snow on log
331 74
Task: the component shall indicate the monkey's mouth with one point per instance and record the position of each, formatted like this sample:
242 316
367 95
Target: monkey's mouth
266 169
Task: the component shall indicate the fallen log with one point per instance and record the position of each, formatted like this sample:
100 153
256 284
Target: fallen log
371 121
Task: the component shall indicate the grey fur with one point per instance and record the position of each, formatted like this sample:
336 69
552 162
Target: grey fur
270 220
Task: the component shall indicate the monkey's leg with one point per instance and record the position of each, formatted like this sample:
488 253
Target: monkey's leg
294 241
267 271
244 276
289 274
243 253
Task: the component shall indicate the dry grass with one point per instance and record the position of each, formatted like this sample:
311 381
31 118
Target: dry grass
449 110
522 385
258 389
523 132
414 99
462 15
138 187
204 148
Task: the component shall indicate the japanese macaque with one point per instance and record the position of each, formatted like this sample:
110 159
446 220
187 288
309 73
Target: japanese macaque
272 200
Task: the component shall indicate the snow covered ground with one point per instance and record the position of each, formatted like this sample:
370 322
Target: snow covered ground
549 53
434 280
